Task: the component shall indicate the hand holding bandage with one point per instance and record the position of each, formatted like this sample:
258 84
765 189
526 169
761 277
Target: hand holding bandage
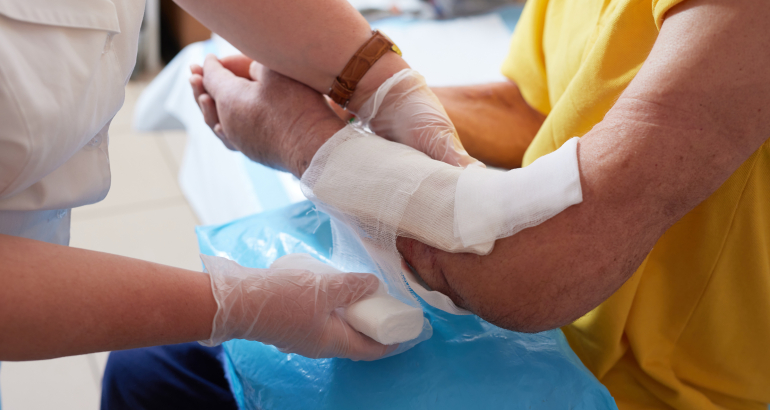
296 310
377 315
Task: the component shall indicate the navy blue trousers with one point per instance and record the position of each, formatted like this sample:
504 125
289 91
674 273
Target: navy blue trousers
184 376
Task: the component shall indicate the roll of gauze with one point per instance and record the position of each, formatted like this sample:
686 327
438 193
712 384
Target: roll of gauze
379 315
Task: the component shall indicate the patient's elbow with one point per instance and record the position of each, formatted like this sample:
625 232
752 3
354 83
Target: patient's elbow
527 316
532 303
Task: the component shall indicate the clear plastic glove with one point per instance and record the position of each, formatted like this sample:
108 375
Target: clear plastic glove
405 110
293 309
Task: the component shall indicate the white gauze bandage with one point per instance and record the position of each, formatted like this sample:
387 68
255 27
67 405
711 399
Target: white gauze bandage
379 315
377 190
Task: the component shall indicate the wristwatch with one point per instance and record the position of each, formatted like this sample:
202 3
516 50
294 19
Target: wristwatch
374 48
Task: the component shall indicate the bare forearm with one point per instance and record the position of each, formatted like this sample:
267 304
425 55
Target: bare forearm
494 122
309 41
59 301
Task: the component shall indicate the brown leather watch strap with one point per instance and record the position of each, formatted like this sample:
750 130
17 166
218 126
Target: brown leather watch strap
345 84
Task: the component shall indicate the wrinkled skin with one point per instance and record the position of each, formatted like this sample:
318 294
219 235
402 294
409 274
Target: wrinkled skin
271 118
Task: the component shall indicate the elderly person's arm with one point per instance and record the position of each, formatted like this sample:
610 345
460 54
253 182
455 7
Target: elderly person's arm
495 123
694 113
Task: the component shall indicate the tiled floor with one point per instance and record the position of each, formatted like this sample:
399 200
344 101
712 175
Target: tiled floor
144 216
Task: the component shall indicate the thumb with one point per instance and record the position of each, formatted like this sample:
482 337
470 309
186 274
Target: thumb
238 64
459 158
255 71
348 288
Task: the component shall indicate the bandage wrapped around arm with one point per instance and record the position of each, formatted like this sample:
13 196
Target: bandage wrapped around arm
384 190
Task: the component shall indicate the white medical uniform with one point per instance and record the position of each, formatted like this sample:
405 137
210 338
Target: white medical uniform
64 65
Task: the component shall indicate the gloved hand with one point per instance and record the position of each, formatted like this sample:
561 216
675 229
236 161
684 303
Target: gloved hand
292 309
405 110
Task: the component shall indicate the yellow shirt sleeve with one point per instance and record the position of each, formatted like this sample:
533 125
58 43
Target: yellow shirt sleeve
525 63
660 8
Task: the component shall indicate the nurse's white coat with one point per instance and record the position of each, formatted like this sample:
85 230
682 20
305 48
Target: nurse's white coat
63 68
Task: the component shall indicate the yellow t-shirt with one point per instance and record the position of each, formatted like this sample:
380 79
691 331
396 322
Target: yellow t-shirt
691 328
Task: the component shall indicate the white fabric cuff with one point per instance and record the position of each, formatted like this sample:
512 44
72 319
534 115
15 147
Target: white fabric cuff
492 204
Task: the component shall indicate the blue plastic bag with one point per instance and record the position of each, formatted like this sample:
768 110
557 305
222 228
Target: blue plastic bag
467 364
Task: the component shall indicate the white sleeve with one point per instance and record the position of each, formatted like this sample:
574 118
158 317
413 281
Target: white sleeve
60 84
15 148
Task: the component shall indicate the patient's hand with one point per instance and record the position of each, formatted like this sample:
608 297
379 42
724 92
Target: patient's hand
271 118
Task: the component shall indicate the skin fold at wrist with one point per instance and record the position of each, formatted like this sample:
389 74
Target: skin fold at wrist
301 153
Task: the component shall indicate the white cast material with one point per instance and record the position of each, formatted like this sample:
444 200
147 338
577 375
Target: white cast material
493 204
379 316
377 190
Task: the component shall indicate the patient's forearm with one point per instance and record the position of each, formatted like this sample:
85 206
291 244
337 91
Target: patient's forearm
547 276
59 301
494 122
677 133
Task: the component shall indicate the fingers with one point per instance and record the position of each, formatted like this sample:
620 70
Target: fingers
256 70
347 288
207 105
343 341
216 78
239 64
459 158
204 101
212 82
457 155
209 109
364 348
196 82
